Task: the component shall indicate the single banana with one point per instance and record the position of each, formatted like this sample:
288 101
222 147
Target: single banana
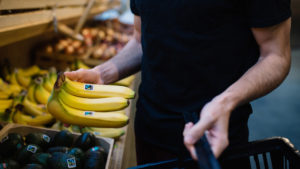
32 108
56 126
13 79
40 93
125 82
40 120
67 115
52 76
102 104
97 91
47 84
77 64
23 80
114 133
33 70
4 95
43 72
5 104
30 93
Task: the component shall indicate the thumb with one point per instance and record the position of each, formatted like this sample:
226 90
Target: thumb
196 132
72 75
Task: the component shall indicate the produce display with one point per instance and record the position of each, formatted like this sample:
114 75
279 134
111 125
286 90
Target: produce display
25 94
61 151
106 37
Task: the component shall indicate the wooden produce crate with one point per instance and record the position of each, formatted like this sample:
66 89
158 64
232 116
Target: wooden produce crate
106 143
21 19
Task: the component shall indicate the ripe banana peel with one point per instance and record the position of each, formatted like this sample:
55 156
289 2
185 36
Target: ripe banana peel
23 80
5 104
32 108
33 70
97 91
31 93
40 93
66 115
47 85
125 82
114 133
40 120
101 104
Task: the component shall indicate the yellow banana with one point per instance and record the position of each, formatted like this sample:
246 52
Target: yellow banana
102 104
56 126
77 64
125 82
32 108
67 115
4 95
43 72
23 80
30 93
52 76
40 120
97 91
30 71
4 104
47 84
105 132
41 94
13 78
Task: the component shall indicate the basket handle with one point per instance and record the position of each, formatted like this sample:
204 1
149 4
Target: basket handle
206 158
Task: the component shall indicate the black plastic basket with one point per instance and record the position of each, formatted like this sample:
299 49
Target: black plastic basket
271 153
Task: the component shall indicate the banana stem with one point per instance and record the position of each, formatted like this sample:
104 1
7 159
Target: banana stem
59 81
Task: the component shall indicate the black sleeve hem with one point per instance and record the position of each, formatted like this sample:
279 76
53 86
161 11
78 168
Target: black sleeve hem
133 8
270 22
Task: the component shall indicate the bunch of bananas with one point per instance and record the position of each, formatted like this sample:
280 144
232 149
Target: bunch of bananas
88 104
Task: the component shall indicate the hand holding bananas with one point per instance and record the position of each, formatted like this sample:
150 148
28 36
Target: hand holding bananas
89 104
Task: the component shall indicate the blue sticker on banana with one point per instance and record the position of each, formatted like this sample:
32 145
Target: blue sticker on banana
88 87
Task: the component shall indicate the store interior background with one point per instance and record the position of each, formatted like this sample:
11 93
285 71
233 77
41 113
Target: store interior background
278 113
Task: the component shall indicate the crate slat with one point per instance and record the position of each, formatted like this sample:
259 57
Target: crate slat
17 27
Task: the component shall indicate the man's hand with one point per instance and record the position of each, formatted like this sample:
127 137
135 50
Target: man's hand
85 75
214 120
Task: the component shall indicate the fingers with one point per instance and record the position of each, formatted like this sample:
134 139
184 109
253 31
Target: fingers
190 147
72 75
220 145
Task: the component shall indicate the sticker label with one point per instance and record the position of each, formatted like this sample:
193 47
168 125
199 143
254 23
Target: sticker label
97 133
46 138
31 148
89 113
71 162
4 139
88 87
95 148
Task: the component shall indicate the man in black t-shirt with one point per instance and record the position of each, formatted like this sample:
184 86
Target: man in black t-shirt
208 56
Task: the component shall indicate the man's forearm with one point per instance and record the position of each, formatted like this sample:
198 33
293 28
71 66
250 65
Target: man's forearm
262 78
125 63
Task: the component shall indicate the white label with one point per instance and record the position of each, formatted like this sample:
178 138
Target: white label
46 138
4 139
88 87
89 113
71 162
31 148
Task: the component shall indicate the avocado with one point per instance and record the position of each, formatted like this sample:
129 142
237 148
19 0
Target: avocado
63 138
58 149
11 144
39 139
78 154
26 152
40 158
85 141
63 161
33 166
9 164
95 158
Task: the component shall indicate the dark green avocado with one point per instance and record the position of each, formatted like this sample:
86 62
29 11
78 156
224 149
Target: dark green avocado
26 152
63 138
33 166
39 139
63 161
95 158
40 158
11 144
9 164
85 141
58 149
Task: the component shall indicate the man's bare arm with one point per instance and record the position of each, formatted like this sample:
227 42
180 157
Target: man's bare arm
125 63
270 70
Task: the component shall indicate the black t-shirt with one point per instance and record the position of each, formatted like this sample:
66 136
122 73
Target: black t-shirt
192 51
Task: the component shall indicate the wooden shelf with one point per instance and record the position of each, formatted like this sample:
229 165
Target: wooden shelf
18 27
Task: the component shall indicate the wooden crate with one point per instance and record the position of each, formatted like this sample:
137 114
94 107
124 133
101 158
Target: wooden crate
106 143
